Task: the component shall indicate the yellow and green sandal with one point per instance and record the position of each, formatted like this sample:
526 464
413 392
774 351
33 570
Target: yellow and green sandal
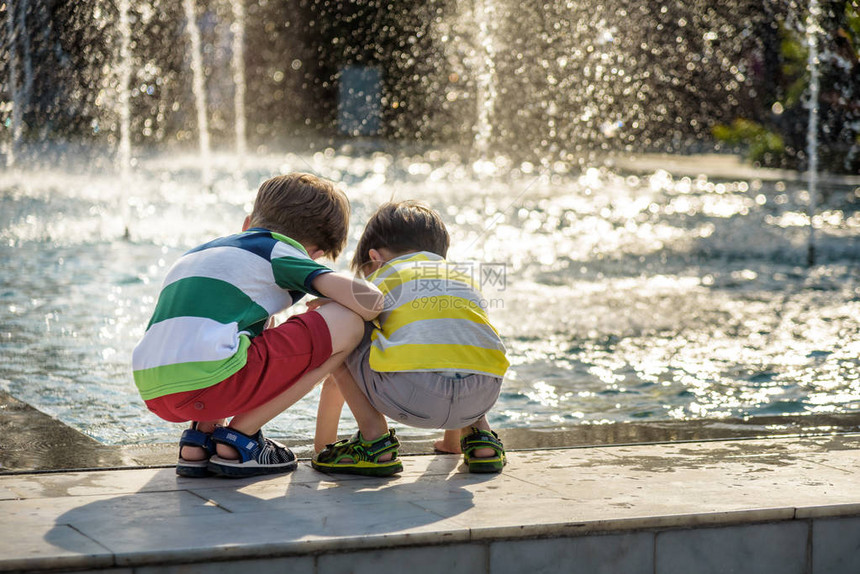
358 456
479 438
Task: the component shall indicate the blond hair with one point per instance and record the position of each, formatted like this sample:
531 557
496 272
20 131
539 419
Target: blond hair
306 208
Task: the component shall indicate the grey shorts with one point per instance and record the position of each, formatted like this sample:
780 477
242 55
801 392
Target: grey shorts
424 399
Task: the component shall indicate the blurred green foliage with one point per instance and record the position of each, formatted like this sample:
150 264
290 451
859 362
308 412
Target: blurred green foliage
764 145
777 137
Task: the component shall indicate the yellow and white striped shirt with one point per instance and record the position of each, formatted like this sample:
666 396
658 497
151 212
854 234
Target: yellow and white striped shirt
434 319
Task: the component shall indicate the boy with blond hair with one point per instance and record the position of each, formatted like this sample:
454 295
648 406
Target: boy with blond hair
207 354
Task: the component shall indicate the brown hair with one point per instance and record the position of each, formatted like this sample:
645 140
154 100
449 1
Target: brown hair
402 227
305 208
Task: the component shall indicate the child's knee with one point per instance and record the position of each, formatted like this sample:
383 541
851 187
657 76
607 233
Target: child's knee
345 326
353 332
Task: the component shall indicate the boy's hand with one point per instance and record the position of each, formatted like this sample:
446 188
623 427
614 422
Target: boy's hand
355 294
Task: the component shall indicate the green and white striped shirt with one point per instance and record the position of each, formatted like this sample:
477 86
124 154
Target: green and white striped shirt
214 299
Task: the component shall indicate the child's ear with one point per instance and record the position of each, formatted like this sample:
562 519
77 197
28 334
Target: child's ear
247 224
316 253
376 256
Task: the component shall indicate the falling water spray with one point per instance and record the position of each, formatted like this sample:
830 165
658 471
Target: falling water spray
26 52
17 111
812 34
239 76
199 87
486 90
124 90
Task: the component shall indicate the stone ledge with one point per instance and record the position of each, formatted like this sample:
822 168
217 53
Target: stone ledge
651 498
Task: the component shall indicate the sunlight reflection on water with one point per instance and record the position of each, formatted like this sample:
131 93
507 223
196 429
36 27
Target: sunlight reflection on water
623 297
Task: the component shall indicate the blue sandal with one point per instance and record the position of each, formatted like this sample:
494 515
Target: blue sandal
195 468
479 438
257 455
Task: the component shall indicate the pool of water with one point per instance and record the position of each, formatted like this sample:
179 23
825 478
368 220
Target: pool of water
622 294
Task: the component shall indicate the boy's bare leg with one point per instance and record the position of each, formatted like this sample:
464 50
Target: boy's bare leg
328 414
371 422
347 330
195 452
451 441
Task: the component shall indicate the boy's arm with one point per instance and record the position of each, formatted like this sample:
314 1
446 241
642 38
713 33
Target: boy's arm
355 294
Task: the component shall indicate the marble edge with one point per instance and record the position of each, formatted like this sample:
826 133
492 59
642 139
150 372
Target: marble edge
828 511
318 545
639 523
308 546
669 521
57 563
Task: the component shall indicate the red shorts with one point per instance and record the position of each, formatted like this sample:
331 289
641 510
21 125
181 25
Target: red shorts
276 360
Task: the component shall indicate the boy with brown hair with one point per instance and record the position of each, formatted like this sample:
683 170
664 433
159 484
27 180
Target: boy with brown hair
207 353
433 360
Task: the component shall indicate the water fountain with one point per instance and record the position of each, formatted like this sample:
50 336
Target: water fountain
124 100
812 33
644 288
199 84
238 62
14 88
484 65
124 91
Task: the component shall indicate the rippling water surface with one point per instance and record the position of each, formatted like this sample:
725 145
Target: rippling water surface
621 296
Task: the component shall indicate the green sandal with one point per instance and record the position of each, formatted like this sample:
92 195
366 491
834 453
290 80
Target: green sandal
362 456
483 439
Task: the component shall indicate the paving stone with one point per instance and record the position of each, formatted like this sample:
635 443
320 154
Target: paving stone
266 534
409 488
70 510
48 546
